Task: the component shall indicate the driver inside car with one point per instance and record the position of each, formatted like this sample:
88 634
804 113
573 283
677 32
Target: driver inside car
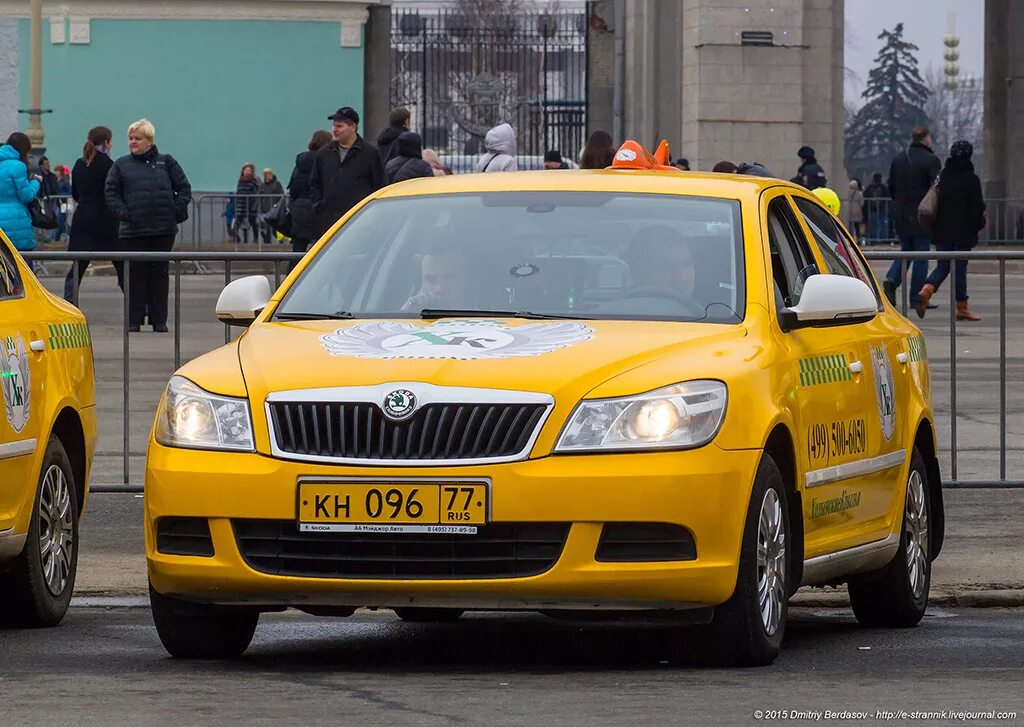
446 281
659 257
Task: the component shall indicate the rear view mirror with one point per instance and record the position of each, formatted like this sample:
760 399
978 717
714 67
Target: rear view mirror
242 300
829 300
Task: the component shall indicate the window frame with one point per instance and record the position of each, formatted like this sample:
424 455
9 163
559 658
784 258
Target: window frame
9 262
802 253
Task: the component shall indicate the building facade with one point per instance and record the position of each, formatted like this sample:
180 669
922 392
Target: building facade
725 79
224 82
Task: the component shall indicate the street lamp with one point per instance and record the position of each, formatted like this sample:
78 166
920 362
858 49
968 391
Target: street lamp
952 55
35 114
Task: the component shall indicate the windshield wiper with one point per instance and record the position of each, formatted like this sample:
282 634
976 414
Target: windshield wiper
429 313
338 315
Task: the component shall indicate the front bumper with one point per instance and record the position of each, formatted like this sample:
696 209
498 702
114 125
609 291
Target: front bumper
705 490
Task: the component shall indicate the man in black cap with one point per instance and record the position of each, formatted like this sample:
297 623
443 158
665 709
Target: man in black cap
345 171
553 160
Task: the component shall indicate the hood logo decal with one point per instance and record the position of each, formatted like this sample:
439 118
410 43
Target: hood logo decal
463 340
16 382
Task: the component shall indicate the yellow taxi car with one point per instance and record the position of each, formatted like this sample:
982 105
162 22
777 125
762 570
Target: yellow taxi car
619 390
47 440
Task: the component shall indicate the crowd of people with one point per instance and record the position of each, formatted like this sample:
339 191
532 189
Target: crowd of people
135 203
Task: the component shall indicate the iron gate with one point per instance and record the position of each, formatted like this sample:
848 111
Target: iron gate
461 71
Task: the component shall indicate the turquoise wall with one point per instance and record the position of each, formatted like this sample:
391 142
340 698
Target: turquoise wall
220 93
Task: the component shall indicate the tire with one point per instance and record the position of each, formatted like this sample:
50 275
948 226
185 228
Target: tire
896 596
428 615
42 578
202 631
744 634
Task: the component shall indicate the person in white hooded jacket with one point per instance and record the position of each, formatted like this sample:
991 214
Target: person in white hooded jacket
500 143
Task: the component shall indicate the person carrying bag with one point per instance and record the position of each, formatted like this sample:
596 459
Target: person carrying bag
18 193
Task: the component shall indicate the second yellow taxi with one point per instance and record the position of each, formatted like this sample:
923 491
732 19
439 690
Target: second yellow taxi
596 391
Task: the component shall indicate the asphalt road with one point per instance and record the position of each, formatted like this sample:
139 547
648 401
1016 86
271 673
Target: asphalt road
106 666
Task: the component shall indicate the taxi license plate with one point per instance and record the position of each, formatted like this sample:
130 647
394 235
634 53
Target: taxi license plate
442 508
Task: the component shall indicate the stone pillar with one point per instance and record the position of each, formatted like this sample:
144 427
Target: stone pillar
9 120
377 71
997 95
601 67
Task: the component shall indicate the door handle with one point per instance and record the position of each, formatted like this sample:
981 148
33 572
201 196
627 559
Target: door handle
856 367
39 345
903 357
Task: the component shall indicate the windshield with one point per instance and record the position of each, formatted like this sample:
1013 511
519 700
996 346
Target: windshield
592 255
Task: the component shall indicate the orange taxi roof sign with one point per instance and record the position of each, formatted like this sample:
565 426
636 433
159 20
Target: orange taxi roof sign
633 155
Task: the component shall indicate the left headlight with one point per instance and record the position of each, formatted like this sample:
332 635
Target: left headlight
681 416
192 417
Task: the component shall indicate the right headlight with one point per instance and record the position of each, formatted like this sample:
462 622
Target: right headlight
195 418
681 416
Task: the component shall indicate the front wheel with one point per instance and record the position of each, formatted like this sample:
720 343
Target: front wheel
896 596
749 627
202 631
42 578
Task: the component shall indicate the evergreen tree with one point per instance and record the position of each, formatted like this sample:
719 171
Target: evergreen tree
894 103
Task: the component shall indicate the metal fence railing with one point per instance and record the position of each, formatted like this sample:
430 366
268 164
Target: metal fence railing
1005 222
198 261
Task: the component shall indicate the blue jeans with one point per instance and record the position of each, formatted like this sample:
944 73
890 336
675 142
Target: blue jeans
941 272
918 268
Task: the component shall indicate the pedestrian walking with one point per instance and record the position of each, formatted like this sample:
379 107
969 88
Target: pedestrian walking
553 160
430 157
17 191
911 175
408 163
149 194
810 174
855 208
724 167
93 227
399 122
599 151
247 204
271 192
500 143
753 169
345 171
876 199
961 215
305 227
61 205
682 163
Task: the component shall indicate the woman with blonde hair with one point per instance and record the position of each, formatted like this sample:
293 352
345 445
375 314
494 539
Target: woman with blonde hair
149 195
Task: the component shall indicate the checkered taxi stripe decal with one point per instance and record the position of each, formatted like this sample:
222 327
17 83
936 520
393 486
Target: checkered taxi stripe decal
824 370
69 335
918 352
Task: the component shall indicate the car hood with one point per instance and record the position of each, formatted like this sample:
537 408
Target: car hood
566 359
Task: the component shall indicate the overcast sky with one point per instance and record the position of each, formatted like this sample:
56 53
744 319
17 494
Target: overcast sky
925 23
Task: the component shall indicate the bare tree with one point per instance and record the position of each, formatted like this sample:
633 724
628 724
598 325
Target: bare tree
956 113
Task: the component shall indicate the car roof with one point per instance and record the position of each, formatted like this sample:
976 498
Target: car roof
701 184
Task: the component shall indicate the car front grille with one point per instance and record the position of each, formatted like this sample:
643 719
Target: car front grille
498 550
361 431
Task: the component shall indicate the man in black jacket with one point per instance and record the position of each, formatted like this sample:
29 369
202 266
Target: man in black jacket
345 171
399 122
911 175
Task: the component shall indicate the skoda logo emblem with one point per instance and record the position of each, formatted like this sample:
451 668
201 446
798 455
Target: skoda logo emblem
400 404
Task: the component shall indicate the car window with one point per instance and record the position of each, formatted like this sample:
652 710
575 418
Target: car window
792 261
840 257
575 254
10 277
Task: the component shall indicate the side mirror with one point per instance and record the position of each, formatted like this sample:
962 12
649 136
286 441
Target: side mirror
830 300
242 300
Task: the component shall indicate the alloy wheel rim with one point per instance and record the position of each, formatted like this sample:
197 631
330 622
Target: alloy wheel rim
56 530
916 534
771 562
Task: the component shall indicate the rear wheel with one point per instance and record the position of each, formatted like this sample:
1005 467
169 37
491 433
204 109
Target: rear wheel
896 596
202 631
749 627
41 579
428 615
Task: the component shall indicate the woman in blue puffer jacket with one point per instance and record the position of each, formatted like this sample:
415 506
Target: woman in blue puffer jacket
16 191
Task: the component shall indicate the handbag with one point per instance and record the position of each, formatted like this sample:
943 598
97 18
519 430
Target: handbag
279 218
928 210
42 214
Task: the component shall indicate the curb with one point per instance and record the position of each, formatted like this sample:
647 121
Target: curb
1003 598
